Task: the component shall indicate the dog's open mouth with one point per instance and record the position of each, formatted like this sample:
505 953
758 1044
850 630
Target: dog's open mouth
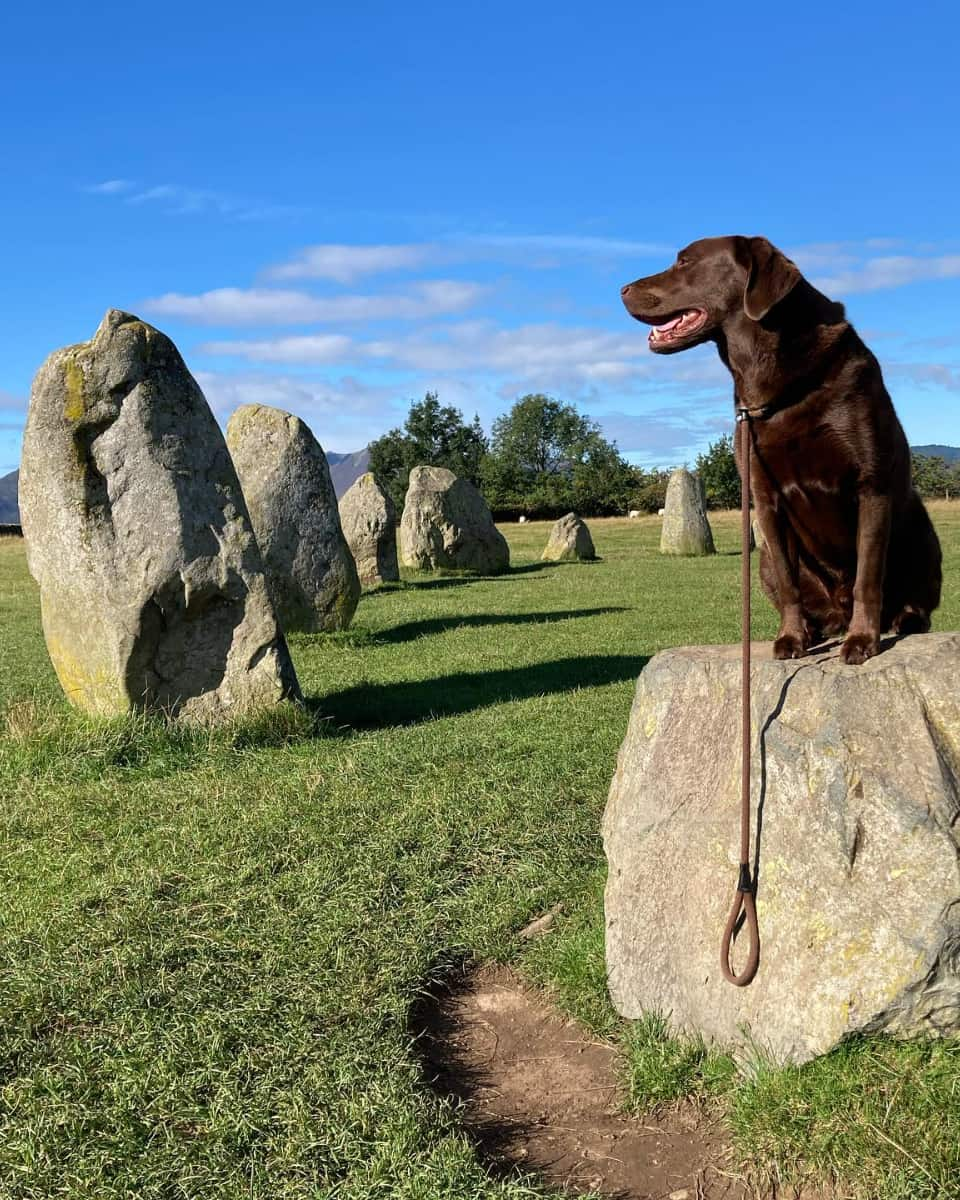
691 320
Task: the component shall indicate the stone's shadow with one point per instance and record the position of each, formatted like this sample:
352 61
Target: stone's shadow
412 630
382 705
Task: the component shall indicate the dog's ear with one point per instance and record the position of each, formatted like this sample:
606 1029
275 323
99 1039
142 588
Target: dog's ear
771 276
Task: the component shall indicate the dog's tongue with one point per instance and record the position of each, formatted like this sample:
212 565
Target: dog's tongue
669 324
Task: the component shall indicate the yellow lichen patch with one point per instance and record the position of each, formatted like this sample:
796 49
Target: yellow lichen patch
95 689
74 406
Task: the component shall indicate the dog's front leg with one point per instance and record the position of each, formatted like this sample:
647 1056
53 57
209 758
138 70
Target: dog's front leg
792 640
873 536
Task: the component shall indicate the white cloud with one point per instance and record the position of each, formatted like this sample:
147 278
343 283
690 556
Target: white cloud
344 414
179 200
939 375
241 306
109 187
344 264
890 271
570 243
312 349
543 355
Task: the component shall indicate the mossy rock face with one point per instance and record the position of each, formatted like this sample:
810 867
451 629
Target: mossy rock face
569 541
151 586
286 483
447 525
857 770
369 522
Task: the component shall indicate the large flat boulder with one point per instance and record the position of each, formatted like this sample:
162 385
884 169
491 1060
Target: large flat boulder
152 589
685 529
286 482
369 521
857 771
446 523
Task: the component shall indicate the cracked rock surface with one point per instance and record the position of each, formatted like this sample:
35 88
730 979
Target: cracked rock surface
152 590
447 524
857 774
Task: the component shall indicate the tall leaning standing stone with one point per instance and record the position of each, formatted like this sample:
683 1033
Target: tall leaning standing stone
152 591
686 529
369 521
446 524
286 481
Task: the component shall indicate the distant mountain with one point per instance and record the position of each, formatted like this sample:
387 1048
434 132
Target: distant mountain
9 510
346 469
950 453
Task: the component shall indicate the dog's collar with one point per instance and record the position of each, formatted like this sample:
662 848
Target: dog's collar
755 414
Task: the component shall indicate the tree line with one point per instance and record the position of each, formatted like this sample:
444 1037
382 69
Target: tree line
544 458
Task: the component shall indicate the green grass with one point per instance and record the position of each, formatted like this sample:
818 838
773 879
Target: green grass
211 941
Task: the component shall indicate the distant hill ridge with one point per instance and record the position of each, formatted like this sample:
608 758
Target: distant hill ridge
346 469
9 510
950 453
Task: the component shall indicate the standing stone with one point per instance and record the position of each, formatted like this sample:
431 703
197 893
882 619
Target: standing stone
369 521
152 590
446 523
569 541
686 529
857 770
286 481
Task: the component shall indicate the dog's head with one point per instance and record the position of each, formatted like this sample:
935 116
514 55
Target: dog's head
712 281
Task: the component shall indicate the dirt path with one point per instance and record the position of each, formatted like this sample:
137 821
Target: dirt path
539 1094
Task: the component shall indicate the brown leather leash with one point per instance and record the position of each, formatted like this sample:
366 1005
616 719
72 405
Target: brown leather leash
744 910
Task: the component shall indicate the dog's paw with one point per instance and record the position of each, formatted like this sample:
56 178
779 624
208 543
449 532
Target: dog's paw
858 647
909 621
788 645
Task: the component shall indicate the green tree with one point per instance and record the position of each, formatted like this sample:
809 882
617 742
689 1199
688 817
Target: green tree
433 435
649 492
717 469
546 458
931 475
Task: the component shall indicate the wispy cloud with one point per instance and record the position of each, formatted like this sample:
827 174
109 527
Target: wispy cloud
567 243
547 354
848 268
110 187
345 413
179 200
345 264
318 349
276 306
890 271
937 375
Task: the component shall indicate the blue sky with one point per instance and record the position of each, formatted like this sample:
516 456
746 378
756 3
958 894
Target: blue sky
333 207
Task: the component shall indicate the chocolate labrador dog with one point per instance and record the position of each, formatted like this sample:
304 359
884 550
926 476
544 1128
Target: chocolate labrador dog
848 546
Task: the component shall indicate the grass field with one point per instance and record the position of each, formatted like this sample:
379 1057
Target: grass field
210 942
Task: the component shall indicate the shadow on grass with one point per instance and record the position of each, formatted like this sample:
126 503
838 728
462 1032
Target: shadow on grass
412 630
381 705
460 580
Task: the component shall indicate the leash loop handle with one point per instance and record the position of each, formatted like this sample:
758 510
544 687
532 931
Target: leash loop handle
744 910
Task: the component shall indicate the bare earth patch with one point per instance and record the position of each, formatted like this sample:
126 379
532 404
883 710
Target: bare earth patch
540 1095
